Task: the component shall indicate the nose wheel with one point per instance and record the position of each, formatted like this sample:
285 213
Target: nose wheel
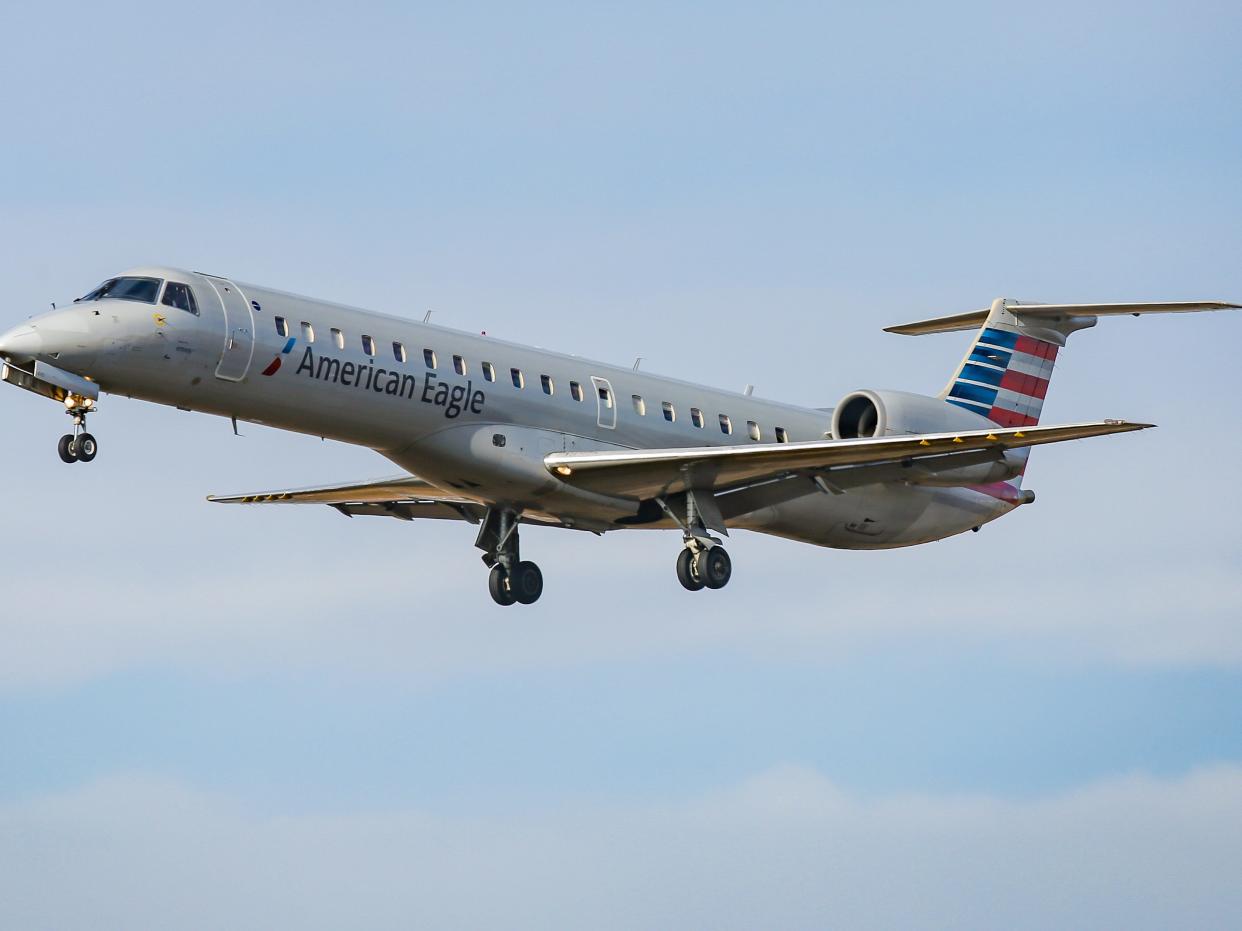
78 446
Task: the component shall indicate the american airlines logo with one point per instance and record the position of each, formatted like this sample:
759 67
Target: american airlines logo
454 399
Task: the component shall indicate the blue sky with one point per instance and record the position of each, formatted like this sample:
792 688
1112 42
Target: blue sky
213 716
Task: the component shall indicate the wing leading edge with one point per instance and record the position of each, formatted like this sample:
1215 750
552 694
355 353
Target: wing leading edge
650 473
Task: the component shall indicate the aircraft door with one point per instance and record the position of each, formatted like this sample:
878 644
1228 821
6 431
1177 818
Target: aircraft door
606 403
238 330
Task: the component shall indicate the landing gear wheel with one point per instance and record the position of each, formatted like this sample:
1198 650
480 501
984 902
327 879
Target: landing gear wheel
685 571
498 586
85 447
714 567
65 448
526 583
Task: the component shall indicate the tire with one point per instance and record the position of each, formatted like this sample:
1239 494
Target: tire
85 447
65 448
498 586
715 567
685 571
526 583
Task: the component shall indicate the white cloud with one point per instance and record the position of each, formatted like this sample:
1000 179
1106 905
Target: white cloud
786 849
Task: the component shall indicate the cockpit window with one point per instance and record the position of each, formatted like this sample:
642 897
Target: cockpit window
126 289
180 296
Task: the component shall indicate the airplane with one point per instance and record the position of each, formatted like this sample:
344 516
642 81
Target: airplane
500 434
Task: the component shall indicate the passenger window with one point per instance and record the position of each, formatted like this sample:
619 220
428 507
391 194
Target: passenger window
338 337
606 396
640 406
669 414
489 371
575 391
546 381
459 365
308 332
696 417
753 429
398 351
781 435
726 425
519 381
180 296
282 326
429 358
368 346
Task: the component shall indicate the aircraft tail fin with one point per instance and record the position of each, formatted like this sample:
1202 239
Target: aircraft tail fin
1005 373
1007 369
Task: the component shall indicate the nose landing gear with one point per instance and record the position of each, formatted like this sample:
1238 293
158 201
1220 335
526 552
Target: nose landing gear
78 446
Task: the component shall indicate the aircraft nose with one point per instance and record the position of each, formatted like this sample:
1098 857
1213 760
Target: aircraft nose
21 342
63 338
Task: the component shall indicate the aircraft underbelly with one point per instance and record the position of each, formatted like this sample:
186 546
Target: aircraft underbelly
504 463
876 517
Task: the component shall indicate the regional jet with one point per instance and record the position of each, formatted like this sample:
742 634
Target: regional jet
502 435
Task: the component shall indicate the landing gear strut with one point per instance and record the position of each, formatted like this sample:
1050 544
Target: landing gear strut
511 580
78 446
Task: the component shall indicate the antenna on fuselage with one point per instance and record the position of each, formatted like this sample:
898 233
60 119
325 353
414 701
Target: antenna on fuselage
637 363
750 389
427 317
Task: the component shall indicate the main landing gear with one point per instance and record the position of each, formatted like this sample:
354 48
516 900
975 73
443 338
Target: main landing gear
511 580
703 567
78 446
703 562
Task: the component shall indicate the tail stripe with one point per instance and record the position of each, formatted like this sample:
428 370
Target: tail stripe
969 392
996 337
1005 377
985 375
1011 418
990 356
1025 384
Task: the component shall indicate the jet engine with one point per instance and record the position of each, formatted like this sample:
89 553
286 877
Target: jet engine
866 413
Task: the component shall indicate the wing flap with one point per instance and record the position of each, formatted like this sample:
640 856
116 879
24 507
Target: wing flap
653 473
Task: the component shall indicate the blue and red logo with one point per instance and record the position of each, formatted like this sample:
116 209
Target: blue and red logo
274 367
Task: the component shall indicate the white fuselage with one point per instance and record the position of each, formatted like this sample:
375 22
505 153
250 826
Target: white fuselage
464 423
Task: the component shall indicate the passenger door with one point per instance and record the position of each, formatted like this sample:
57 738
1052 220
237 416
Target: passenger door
238 330
606 403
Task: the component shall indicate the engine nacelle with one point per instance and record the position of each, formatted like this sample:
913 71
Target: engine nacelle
863 414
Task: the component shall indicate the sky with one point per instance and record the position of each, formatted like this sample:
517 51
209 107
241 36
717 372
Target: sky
242 717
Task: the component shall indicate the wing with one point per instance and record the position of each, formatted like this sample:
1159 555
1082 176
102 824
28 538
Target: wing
651 473
406 497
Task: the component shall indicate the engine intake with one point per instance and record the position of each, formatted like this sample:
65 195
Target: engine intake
867 413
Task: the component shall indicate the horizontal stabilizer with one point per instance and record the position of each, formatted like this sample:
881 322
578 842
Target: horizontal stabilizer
976 318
